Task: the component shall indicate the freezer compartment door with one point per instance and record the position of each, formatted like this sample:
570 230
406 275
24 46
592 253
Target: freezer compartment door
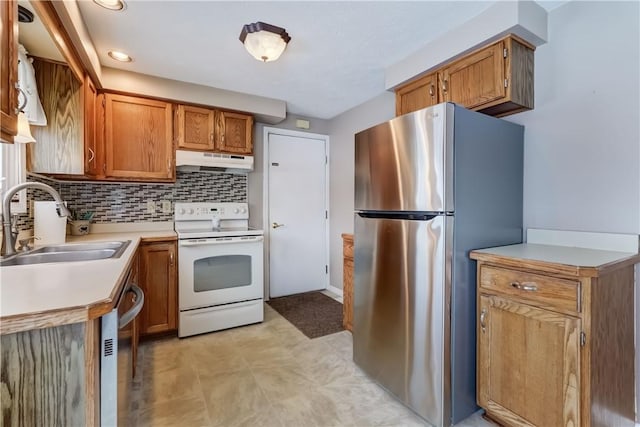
399 325
406 164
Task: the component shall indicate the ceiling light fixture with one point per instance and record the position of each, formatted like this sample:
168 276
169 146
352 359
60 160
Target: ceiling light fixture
120 56
110 4
265 42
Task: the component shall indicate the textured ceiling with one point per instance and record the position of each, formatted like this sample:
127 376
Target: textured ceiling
335 60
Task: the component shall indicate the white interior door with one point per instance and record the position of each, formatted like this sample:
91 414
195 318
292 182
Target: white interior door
297 206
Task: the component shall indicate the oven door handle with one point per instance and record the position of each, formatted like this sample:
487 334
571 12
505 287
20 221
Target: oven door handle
206 242
127 317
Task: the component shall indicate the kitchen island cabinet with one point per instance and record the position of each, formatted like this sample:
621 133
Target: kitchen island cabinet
158 280
50 333
8 70
555 336
138 143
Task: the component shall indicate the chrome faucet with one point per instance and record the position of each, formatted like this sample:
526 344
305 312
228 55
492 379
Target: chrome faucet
10 234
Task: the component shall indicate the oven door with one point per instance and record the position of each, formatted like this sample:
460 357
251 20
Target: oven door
219 271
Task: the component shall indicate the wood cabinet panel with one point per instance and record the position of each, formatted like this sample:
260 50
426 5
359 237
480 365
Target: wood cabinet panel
60 144
528 363
420 94
234 133
8 70
544 291
159 282
138 138
347 282
496 79
44 377
195 127
535 347
476 79
90 128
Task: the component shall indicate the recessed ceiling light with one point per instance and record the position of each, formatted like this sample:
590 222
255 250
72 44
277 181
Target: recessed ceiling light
110 4
120 56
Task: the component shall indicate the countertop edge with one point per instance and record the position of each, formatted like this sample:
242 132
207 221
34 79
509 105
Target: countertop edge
74 314
486 255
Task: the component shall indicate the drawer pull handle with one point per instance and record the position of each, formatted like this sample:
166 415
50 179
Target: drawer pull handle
526 286
483 316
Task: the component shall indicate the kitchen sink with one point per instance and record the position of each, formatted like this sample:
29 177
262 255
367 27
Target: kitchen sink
68 253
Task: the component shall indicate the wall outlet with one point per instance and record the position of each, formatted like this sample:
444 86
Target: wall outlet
151 206
166 206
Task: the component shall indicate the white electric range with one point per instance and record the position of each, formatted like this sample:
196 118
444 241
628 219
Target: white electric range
220 267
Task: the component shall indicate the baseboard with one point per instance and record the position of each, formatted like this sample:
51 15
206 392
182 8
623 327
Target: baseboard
335 290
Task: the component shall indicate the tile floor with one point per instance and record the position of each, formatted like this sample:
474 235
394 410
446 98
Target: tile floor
268 374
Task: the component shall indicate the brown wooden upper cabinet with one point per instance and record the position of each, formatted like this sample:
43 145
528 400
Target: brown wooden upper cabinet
206 129
195 127
138 141
419 94
8 70
234 133
91 149
495 79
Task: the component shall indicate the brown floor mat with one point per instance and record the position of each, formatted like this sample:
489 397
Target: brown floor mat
313 313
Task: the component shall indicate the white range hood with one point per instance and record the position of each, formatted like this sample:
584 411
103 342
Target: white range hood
199 161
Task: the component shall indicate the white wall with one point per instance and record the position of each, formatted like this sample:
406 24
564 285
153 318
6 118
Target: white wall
582 140
341 168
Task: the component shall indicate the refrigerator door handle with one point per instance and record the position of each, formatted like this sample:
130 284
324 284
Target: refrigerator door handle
412 216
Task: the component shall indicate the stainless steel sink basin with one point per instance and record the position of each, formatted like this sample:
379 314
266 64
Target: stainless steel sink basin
68 253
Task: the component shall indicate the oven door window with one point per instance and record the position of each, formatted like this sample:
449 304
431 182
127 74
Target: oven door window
221 272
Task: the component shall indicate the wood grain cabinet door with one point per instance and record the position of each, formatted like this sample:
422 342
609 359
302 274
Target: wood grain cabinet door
8 70
90 129
195 128
234 133
159 284
528 364
138 138
476 79
420 94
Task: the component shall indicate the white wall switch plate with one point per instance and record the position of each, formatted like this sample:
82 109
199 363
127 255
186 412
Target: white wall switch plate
151 206
166 206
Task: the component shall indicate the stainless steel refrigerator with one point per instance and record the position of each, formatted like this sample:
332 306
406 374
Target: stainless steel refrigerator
429 187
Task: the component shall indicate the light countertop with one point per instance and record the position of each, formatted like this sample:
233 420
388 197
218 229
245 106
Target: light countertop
41 295
581 260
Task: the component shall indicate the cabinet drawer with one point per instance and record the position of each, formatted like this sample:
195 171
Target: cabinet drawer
543 291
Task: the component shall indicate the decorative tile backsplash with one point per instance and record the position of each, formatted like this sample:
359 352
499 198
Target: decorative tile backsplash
127 202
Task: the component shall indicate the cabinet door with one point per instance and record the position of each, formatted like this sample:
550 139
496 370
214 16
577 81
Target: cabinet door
195 127
234 133
158 281
138 138
8 70
417 95
476 79
528 364
90 141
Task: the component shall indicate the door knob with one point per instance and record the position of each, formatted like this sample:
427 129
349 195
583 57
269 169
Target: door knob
276 225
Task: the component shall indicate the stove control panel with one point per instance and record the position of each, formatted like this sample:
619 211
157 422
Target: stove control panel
203 211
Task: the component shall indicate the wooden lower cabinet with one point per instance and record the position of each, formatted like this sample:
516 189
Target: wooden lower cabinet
555 342
158 280
347 281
